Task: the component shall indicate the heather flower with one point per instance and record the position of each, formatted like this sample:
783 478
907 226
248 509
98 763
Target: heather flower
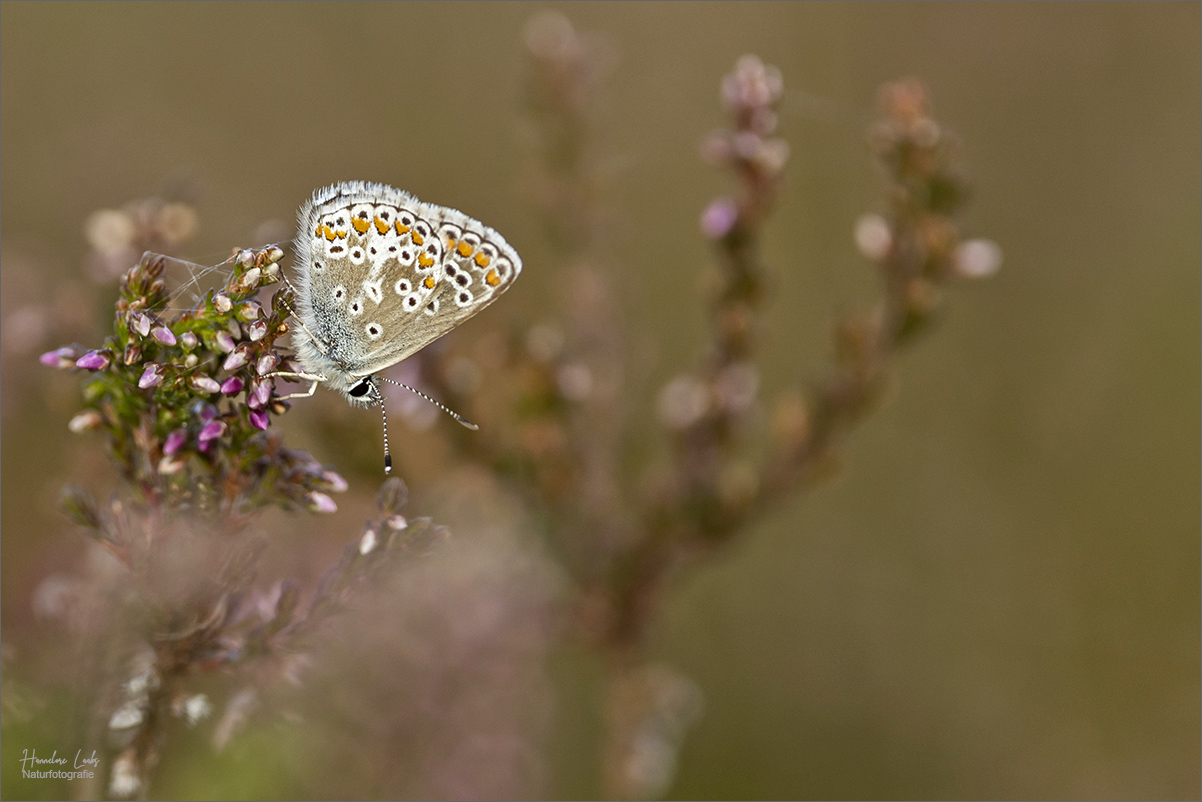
320 502
222 302
140 323
188 340
171 464
334 480
175 441
94 360
719 218
163 335
873 237
61 358
259 419
367 543
260 392
88 419
224 342
231 386
204 384
248 281
251 310
266 364
212 430
237 359
257 331
977 258
152 376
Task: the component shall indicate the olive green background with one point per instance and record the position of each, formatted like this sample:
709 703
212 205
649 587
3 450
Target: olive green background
1000 596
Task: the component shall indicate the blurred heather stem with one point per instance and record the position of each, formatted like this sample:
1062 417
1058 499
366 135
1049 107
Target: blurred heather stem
187 428
727 381
563 99
716 487
918 250
708 410
567 437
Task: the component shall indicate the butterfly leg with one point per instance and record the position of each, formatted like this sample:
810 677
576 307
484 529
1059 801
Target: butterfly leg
307 394
309 377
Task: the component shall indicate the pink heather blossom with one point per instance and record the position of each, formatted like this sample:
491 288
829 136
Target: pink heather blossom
235 360
249 280
260 393
93 360
266 364
259 419
225 343
163 335
175 441
189 340
257 331
719 218
335 481
61 358
977 258
211 431
250 311
222 302
139 323
205 384
88 419
320 502
231 386
151 377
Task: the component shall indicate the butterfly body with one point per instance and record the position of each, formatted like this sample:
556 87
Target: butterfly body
381 275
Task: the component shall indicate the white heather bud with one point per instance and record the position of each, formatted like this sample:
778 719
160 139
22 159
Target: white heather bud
977 258
682 402
873 237
88 419
367 543
128 715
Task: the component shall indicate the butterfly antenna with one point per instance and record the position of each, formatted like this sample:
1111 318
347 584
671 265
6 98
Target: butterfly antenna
462 420
384 415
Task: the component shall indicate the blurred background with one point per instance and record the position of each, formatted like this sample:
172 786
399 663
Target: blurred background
1000 594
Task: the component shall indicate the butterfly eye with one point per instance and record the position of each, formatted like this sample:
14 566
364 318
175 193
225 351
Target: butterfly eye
361 389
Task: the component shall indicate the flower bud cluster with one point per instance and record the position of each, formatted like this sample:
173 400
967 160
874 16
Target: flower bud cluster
750 93
196 387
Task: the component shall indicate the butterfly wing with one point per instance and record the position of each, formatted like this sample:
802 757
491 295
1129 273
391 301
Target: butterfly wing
387 275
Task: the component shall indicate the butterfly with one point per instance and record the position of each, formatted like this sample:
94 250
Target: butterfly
381 275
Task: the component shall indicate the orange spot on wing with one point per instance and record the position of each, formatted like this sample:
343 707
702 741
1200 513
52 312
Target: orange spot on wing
417 238
492 278
340 234
401 229
327 232
360 225
381 226
482 259
424 260
450 243
465 249
429 282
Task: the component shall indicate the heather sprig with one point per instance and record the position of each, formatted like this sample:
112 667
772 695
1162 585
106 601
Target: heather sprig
185 398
